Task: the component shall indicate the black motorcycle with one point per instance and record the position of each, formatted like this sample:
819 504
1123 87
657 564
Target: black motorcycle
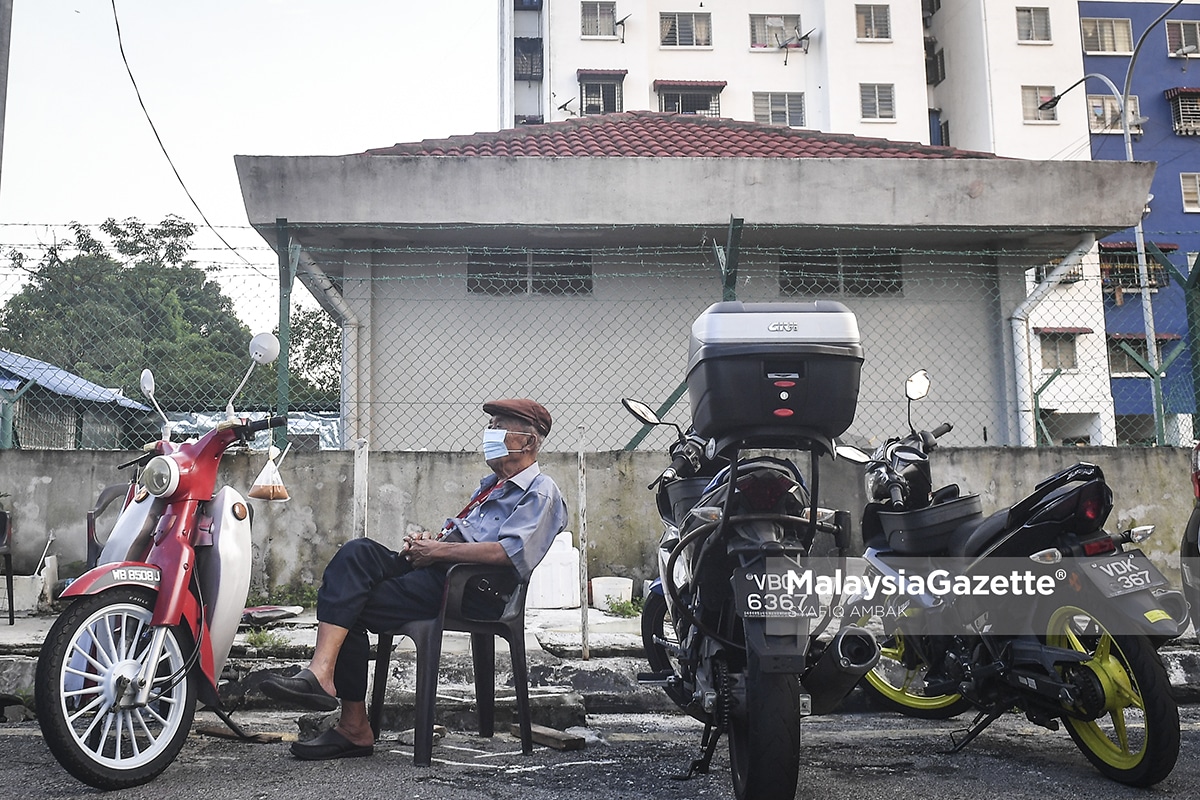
1034 607
722 631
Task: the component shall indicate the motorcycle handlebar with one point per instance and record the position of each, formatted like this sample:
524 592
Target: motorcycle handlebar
941 430
270 422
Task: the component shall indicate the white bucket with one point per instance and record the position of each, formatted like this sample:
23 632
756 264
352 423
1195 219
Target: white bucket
555 581
611 590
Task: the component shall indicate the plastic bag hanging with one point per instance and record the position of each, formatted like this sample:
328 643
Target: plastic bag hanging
269 483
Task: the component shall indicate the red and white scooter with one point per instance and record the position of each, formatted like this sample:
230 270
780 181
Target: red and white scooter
150 627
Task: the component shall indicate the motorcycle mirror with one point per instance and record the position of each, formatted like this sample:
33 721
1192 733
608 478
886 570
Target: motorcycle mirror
147 384
851 454
917 385
642 411
264 348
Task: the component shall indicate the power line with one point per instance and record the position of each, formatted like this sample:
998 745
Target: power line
163 147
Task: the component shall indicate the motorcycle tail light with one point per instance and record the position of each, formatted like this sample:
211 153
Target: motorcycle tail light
761 491
1095 501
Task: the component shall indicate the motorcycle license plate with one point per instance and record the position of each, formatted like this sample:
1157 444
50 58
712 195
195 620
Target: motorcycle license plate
773 588
1123 573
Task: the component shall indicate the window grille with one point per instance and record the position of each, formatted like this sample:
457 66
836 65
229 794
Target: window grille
1033 24
685 30
527 59
772 30
850 273
1034 96
1058 351
1104 114
704 103
1185 114
874 21
878 100
1106 35
779 108
597 19
935 64
600 97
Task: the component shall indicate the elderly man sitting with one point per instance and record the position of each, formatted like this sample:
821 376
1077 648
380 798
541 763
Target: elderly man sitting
511 520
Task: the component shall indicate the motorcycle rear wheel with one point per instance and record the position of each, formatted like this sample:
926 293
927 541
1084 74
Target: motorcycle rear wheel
764 736
85 668
1136 740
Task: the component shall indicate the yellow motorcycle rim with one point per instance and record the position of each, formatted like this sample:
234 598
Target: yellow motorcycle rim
900 689
1118 738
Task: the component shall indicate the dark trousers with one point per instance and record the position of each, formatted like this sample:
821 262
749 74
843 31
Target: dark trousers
370 587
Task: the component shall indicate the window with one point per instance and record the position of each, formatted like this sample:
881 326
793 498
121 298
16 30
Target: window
874 21
1181 35
685 30
506 273
935 64
1185 110
1107 35
878 100
779 108
930 7
1033 24
703 100
767 30
1104 114
1190 184
858 273
527 59
1034 96
1120 362
600 96
1058 351
597 19
944 130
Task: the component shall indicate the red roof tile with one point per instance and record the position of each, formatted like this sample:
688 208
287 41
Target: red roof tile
650 134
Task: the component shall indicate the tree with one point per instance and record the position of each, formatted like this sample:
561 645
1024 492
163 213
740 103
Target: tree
106 317
315 357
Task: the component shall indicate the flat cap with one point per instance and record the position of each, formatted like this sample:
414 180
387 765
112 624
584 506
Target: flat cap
533 413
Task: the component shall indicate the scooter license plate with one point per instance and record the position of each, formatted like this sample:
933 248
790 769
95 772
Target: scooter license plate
773 588
1123 573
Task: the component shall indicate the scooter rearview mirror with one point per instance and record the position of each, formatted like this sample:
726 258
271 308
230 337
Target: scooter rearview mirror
641 411
147 384
917 385
264 348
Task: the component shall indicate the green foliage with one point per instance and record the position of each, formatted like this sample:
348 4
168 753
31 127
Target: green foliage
105 319
315 355
624 608
265 639
294 594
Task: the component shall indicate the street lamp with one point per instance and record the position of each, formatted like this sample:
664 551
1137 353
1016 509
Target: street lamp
1138 234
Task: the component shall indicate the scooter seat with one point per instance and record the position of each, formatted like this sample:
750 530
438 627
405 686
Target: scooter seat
972 538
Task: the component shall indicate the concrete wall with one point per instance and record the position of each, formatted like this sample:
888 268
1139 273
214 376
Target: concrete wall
52 490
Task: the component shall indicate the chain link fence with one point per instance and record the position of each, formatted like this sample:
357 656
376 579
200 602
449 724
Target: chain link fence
401 345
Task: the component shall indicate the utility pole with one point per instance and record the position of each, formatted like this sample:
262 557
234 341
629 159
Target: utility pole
5 37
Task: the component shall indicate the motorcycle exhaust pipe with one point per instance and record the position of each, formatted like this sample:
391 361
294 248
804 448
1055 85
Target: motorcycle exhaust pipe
850 655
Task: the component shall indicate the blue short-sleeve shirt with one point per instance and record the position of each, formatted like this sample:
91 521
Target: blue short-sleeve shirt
524 516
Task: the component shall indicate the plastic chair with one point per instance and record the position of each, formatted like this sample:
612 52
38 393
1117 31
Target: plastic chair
427 636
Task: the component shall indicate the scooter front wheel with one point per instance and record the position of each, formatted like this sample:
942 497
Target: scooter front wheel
86 691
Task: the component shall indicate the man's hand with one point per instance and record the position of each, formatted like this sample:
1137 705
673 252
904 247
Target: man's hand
418 548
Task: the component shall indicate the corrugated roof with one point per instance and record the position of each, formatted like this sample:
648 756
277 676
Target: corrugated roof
55 379
651 134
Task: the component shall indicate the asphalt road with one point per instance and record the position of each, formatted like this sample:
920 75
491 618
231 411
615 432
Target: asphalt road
858 756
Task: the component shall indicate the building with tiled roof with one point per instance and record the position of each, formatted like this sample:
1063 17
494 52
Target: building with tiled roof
582 250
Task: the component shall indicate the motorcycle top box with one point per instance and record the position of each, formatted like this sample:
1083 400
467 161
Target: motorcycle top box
774 373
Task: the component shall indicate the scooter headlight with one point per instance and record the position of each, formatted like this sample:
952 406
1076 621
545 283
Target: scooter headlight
161 476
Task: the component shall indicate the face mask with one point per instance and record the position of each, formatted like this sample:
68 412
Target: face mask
493 444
